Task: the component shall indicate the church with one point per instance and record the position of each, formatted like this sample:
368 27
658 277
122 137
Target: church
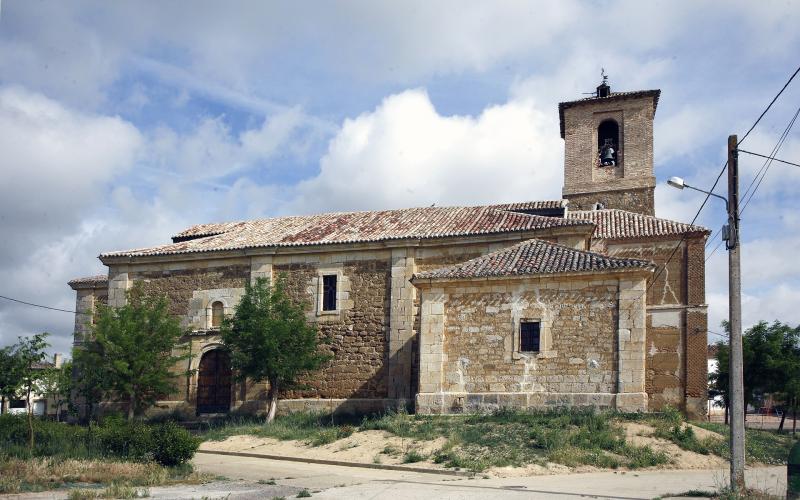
587 301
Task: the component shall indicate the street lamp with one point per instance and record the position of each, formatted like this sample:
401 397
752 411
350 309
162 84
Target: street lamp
736 383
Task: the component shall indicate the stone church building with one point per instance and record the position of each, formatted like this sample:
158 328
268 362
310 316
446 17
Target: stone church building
591 300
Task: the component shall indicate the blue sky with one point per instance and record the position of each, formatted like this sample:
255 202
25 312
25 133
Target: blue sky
123 122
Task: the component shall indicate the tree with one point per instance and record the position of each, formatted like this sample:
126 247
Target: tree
90 386
56 383
270 339
133 345
771 363
31 354
10 375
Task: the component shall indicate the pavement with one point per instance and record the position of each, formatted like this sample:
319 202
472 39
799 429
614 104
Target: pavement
327 481
257 478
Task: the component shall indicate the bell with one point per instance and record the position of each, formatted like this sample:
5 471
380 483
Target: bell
608 156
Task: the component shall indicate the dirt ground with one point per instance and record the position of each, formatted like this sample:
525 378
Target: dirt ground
384 448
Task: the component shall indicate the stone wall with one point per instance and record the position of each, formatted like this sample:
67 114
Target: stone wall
676 320
628 185
634 200
592 344
358 335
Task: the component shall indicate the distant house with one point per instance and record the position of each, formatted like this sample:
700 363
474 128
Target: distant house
42 404
716 405
588 301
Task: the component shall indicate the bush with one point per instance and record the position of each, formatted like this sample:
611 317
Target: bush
173 445
168 444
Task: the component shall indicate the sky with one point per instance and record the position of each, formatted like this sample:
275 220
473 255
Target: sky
122 123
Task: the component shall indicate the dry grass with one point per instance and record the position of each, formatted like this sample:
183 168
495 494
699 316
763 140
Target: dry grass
46 473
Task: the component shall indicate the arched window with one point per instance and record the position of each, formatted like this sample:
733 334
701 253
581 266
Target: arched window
608 142
217 309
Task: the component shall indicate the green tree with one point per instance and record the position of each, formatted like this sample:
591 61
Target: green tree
270 339
10 375
134 345
56 383
30 351
90 386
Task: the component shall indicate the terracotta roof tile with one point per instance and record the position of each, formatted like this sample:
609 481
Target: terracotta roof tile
350 227
533 257
620 224
88 281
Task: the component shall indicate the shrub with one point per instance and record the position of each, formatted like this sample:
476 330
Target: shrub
173 445
131 440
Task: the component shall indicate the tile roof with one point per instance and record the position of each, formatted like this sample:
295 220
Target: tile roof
620 224
615 96
350 227
533 257
88 281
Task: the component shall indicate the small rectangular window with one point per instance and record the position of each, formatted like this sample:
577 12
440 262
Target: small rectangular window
329 292
529 336
18 403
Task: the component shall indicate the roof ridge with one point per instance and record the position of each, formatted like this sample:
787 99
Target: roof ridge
568 259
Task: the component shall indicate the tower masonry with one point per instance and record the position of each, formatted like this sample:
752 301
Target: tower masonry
608 157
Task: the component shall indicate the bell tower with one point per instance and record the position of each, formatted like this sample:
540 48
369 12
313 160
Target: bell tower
608 157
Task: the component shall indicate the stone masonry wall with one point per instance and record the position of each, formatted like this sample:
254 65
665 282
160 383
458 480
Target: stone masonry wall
634 200
634 171
359 335
592 344
676 321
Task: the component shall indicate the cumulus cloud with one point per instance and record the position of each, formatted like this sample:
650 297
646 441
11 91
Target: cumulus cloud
405 153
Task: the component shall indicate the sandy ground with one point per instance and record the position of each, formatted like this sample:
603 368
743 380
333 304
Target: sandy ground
384 448
362 447
640 435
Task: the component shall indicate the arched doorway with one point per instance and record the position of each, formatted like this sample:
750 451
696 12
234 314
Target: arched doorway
214 383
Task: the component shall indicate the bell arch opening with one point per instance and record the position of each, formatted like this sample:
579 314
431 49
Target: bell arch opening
608 142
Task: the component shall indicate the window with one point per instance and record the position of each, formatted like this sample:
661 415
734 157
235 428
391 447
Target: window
217 310
608 142
329 292
529 336
18 403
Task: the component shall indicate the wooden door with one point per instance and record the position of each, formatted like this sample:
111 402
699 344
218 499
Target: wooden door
214 383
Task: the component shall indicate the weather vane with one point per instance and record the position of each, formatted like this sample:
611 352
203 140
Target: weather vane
603 75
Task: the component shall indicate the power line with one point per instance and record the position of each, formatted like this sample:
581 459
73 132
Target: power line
769 105
715 249
708 194
768 163
771 158
40 305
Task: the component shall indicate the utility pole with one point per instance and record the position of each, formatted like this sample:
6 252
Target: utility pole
736 381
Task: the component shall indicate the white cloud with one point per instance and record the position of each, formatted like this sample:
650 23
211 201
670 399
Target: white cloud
404 153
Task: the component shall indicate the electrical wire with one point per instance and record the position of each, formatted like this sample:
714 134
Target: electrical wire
770 158
769 106
708 195
768 163
40 305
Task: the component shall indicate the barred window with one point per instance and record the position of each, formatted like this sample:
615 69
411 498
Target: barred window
329 292
529 336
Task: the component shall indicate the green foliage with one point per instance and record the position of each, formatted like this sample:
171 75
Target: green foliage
303 494
413 456
56 383
166 444
173 445
761 446
312 427
771 361
270 339
10 373
132 347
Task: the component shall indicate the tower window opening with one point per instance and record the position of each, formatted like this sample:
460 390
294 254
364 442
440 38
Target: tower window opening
608 143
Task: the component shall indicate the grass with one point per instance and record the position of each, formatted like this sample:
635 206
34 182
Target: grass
761 446
40 474
316 429
571 437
